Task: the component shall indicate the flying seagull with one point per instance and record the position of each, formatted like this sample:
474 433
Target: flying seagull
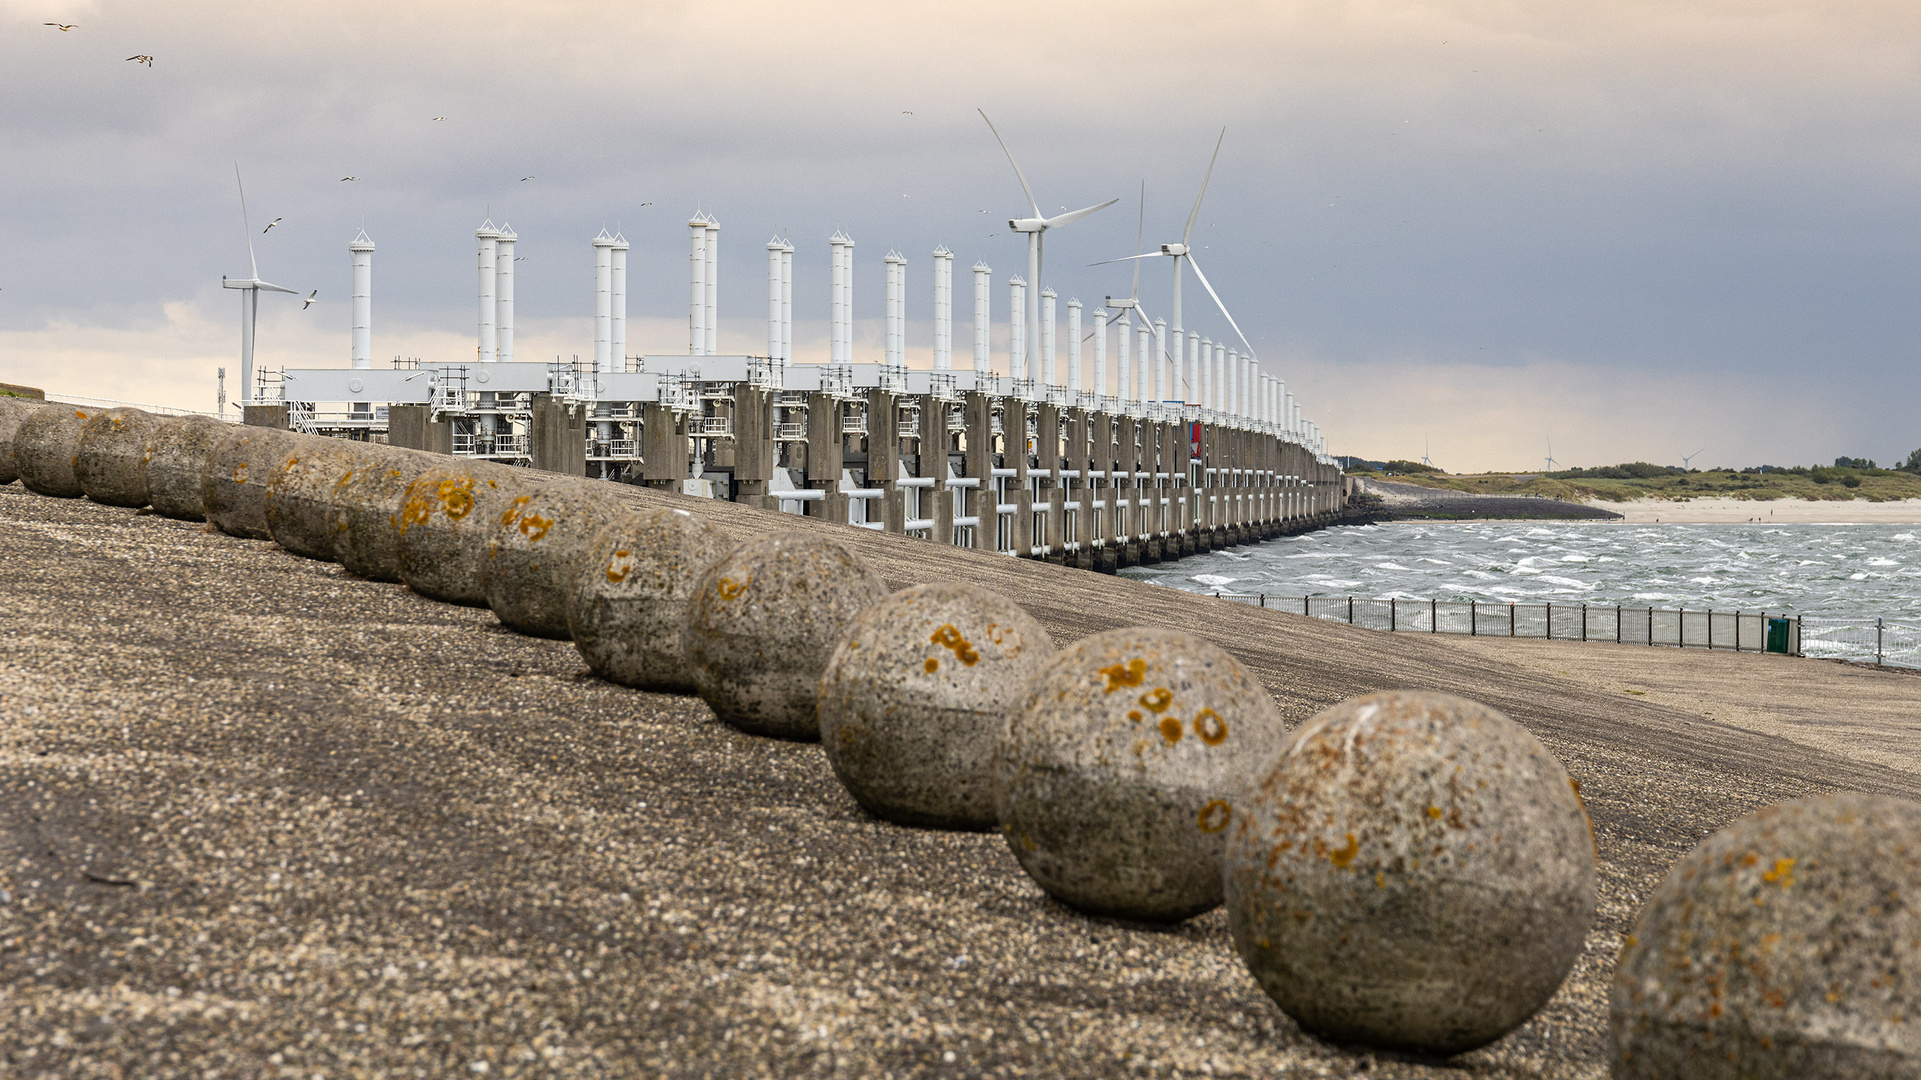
143 58
907 112
344 179
440 118
271 224
62 27
524 179
308 302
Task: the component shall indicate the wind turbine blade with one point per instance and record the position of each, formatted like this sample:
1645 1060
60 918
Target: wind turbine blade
1131 258
1140 230
1218 304
252 265
1075 215
1010 160
265 287
1187 233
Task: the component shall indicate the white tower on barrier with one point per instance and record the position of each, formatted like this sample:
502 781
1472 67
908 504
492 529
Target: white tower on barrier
488 238
697 285
1074 345
1048 374
983 287
712 283
362 249
1017 329
1100 351
773 298
896 309
504 294
943 309
617 304
603 302
840 346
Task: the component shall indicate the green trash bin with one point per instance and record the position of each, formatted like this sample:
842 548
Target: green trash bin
1778 635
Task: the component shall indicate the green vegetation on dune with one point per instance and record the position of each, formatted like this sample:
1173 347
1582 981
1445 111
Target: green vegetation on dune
1639 480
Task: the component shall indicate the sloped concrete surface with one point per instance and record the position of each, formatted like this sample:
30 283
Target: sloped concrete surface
261 818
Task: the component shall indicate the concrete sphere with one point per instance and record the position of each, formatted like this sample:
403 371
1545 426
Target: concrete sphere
43 450
363 509
446 522
300 493
111 456
539 545
763 622
13 412
628 608
1414 871
1123 766
916 697
1787 945
233 487
181 447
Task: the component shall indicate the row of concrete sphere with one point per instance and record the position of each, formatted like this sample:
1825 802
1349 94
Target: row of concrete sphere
1407 870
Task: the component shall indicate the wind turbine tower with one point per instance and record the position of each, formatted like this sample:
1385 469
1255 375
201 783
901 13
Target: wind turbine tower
1035 227
251 287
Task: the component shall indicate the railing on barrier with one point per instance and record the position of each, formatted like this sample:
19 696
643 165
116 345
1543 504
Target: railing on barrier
1880 641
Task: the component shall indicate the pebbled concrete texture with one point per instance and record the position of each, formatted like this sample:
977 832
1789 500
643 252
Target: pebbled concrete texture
181 447
1785 946
915 701
1125 763
762 623
43 450
110 458
1414 871
259 817
628 607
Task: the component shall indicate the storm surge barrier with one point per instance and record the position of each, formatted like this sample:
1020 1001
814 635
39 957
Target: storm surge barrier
1878 640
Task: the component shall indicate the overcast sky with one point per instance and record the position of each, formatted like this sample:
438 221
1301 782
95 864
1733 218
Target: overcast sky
1637 230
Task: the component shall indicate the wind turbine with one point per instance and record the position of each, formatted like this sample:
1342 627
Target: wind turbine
1184 252
1425 460
1034 227
249 298
1550 456
1685 458
1133 301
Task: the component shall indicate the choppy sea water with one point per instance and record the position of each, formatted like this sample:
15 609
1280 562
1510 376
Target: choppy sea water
1840 571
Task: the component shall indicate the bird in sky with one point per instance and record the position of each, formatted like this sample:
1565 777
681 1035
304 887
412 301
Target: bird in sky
646 204
344 179
524 179
907 112
520 258
62 27
272 223
440 118
308 302
143 58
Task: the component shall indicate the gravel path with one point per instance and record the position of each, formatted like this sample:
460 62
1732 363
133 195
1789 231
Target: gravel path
259 818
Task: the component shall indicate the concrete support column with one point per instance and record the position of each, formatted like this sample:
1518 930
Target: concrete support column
977 420
665 452
825 456
883 456
754 450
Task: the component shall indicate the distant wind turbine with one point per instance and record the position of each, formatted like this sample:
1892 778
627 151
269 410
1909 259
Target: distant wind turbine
1685 458
251 287
1550 456
1034 227
1425 460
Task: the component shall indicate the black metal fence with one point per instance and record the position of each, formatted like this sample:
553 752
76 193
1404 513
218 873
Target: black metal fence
1879 641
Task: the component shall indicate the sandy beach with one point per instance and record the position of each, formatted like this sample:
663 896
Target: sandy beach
1798 511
